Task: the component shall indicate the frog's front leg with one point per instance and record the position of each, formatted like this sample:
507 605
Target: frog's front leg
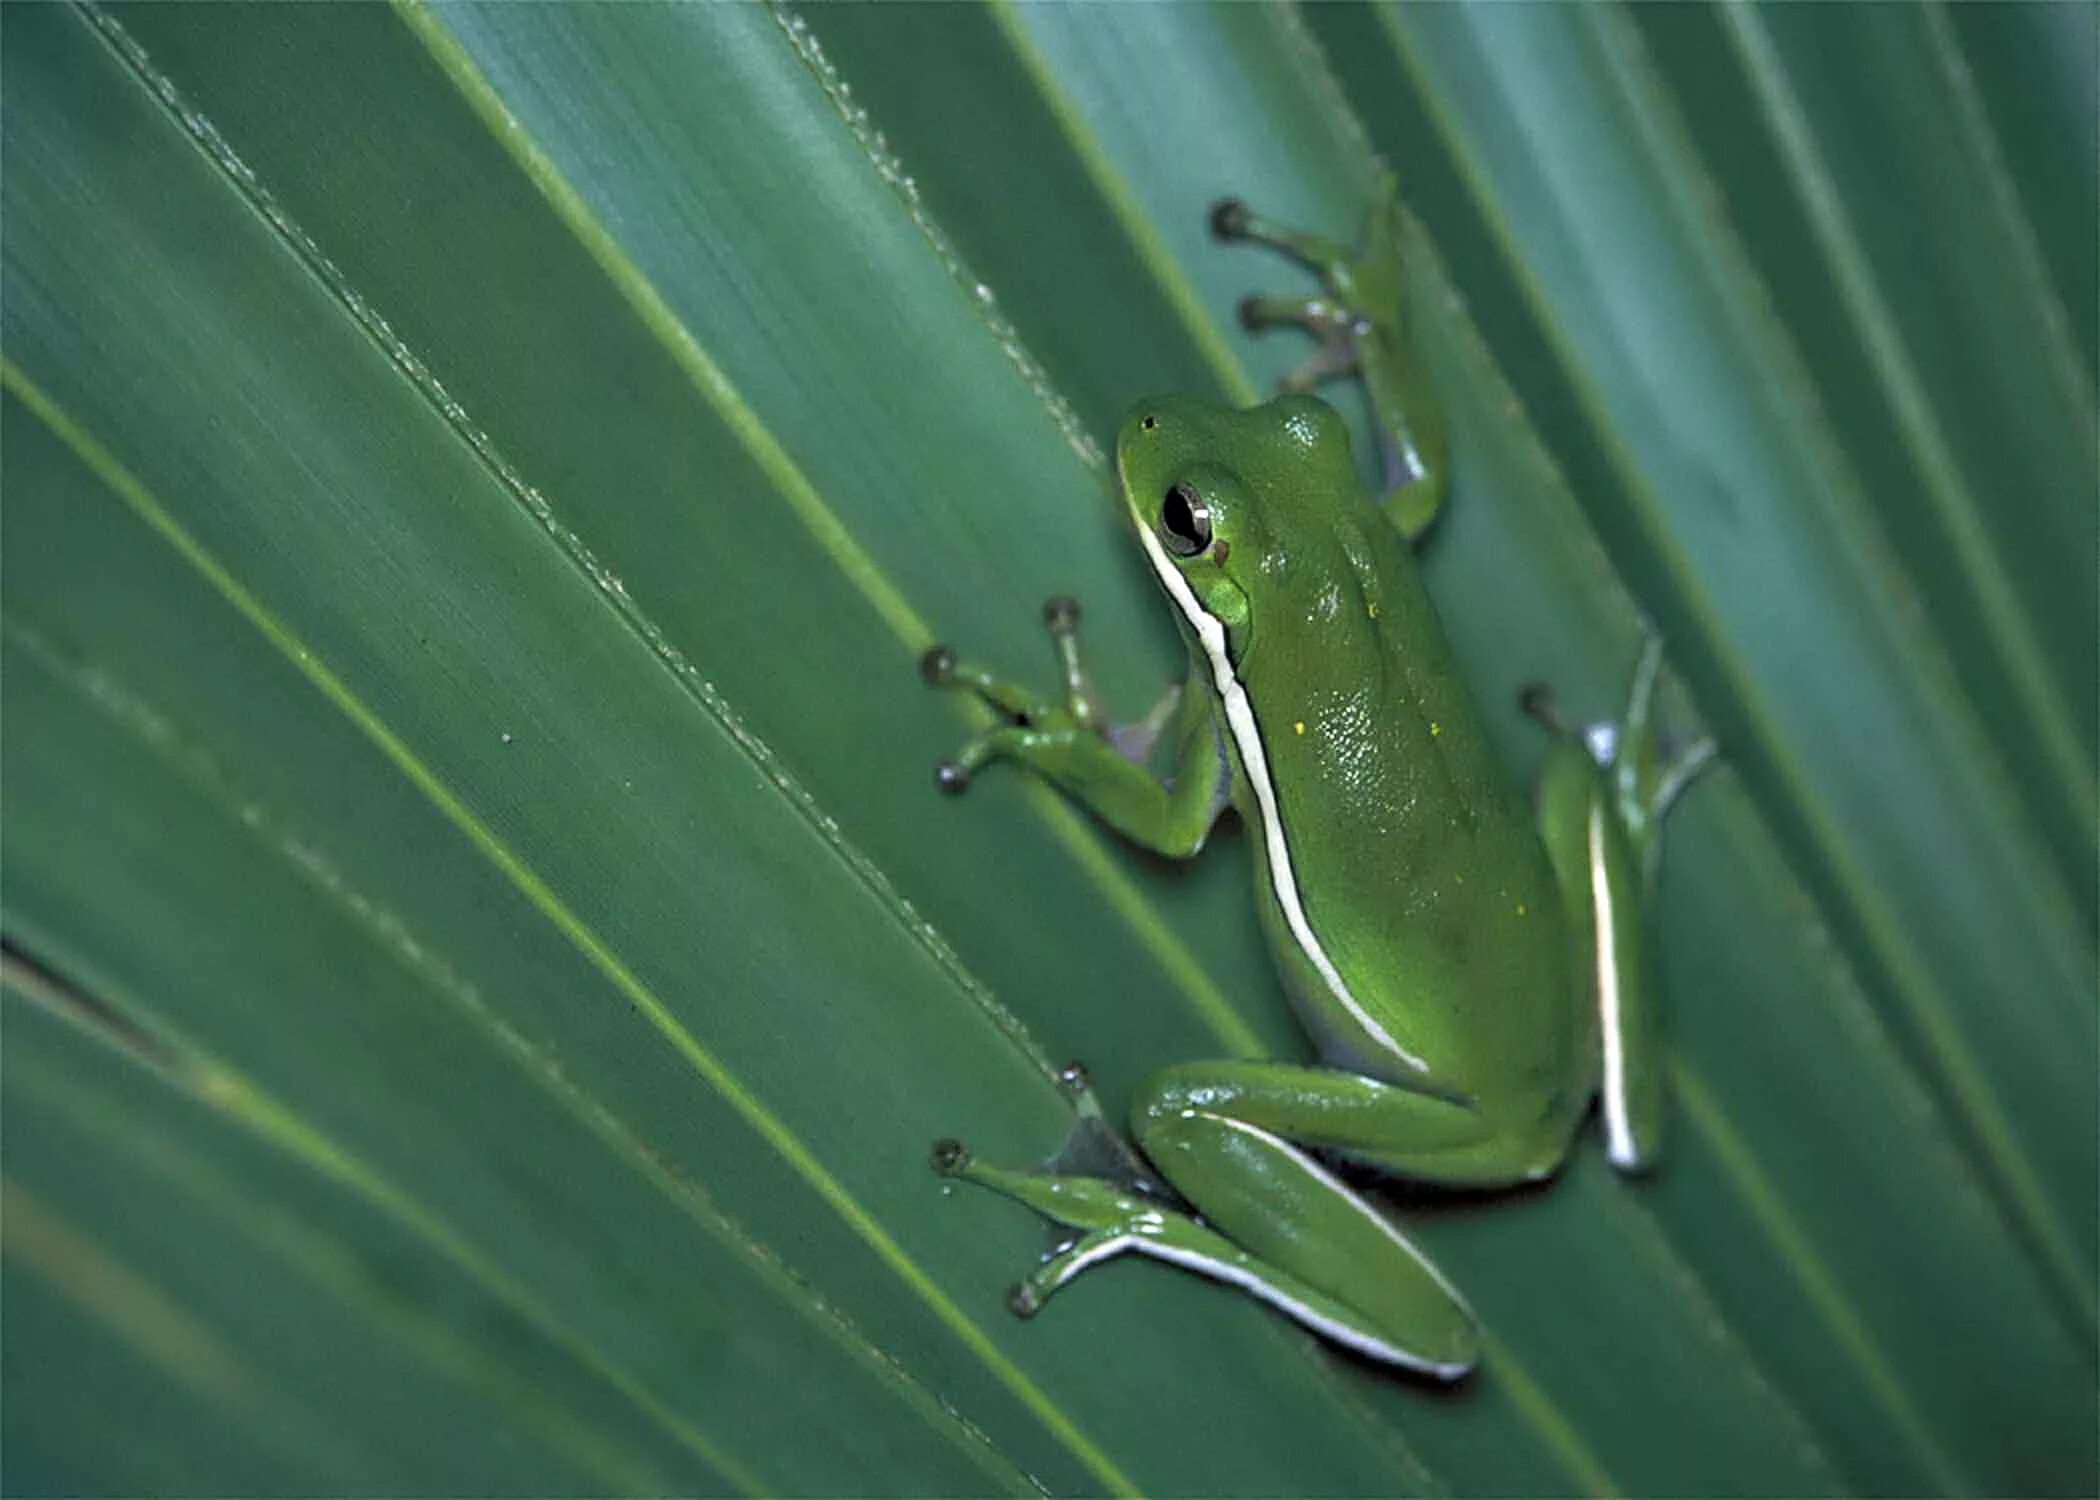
1232 1138
1070 743
1360 323
1602 796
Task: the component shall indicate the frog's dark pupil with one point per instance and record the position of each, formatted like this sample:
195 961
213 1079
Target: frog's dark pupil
1185 521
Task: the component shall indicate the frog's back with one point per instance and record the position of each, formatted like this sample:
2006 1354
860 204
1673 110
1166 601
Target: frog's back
1438 952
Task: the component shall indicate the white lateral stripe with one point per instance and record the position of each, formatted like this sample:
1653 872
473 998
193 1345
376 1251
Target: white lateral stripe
1108 1249
1355 1200
1333 1328
1618 1131
1239 718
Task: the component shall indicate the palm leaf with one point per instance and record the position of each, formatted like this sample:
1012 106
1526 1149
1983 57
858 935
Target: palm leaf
485 959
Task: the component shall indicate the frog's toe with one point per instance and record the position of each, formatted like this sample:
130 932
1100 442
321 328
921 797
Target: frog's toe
1229 219
951 776
1333 360
942 668
937 666
949 1157
1683 762
1061 615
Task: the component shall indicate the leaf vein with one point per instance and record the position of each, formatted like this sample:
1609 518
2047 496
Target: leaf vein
790 1147
432 969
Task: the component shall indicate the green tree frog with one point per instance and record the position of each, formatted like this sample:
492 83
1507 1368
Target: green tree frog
1469 970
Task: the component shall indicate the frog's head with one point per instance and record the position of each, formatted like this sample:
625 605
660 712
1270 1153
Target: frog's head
1235 509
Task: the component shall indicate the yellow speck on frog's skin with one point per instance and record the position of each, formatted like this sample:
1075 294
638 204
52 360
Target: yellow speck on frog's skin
1435 729
1371 609
1523 910
1299 726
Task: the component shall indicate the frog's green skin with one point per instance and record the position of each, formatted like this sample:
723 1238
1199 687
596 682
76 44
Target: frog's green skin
1471 981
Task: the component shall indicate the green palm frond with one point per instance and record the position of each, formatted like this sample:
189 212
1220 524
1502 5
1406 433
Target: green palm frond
485 958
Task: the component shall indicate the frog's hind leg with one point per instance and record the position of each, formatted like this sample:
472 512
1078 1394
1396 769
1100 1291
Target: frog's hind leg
1232 220
1333 327
1359 323
1649 770
1333 323
1274 1221
1601 798
1112 1223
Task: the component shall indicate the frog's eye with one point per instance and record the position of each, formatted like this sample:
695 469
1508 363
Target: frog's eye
1184 521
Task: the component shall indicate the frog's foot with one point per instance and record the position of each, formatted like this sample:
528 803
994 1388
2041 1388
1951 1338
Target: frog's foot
1334 327
1231 220
1095 1148
1032 721
1105 767
1647 768
1331 318
1357 324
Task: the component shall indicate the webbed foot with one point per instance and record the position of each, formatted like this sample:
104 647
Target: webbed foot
1646 767
1033 723
1359 326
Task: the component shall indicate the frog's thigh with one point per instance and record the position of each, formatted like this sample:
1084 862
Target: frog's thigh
1383 1125
1223 1134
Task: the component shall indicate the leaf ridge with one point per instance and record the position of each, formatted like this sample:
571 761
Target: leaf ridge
146 1320
2025 1204
768 1126
432 1344
890 167
1768 1207
1953 499
1623 46
151 728
1689 1289
2080 402
1711 1120
1083 845
218 1086
1108 181
611 589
